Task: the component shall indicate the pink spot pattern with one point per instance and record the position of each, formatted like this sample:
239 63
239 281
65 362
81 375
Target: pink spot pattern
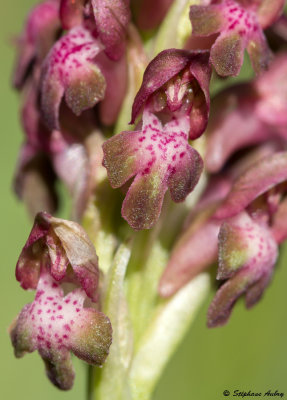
70 63
249 245
161 146
53 331
239 19
160 158
239 28
72 52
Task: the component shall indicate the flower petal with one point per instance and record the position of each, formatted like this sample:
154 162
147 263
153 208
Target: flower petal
233 125
258 179
142 205
186 175
200 69
227 54
120 157
272 88
269 11
112 18
259 52
206 20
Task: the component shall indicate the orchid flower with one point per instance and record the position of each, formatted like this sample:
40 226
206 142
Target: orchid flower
248 114
248 239
239 25
69 70
56 325
159 153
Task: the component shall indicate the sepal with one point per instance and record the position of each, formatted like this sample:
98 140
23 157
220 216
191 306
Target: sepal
64 248
112 18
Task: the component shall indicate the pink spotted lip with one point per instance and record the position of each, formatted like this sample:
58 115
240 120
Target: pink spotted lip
239 19
164 146
56 325
52 316
69 70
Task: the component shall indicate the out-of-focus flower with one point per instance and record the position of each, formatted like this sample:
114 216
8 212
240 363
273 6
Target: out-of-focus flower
239 25
175 99
70 70
247 255
201 228
56 325
34 181
249 236
200 231
248 114
111 20
41 30
64 249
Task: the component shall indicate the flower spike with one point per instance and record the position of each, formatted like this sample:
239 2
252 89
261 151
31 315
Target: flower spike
161 158
239 26
70 70
65 249
56 325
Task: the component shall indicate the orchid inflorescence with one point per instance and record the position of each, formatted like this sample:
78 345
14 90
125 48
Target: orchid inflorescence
86 68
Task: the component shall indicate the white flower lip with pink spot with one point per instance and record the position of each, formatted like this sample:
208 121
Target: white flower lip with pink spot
56 325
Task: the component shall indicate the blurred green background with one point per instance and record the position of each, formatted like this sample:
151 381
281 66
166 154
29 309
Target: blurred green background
248 354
